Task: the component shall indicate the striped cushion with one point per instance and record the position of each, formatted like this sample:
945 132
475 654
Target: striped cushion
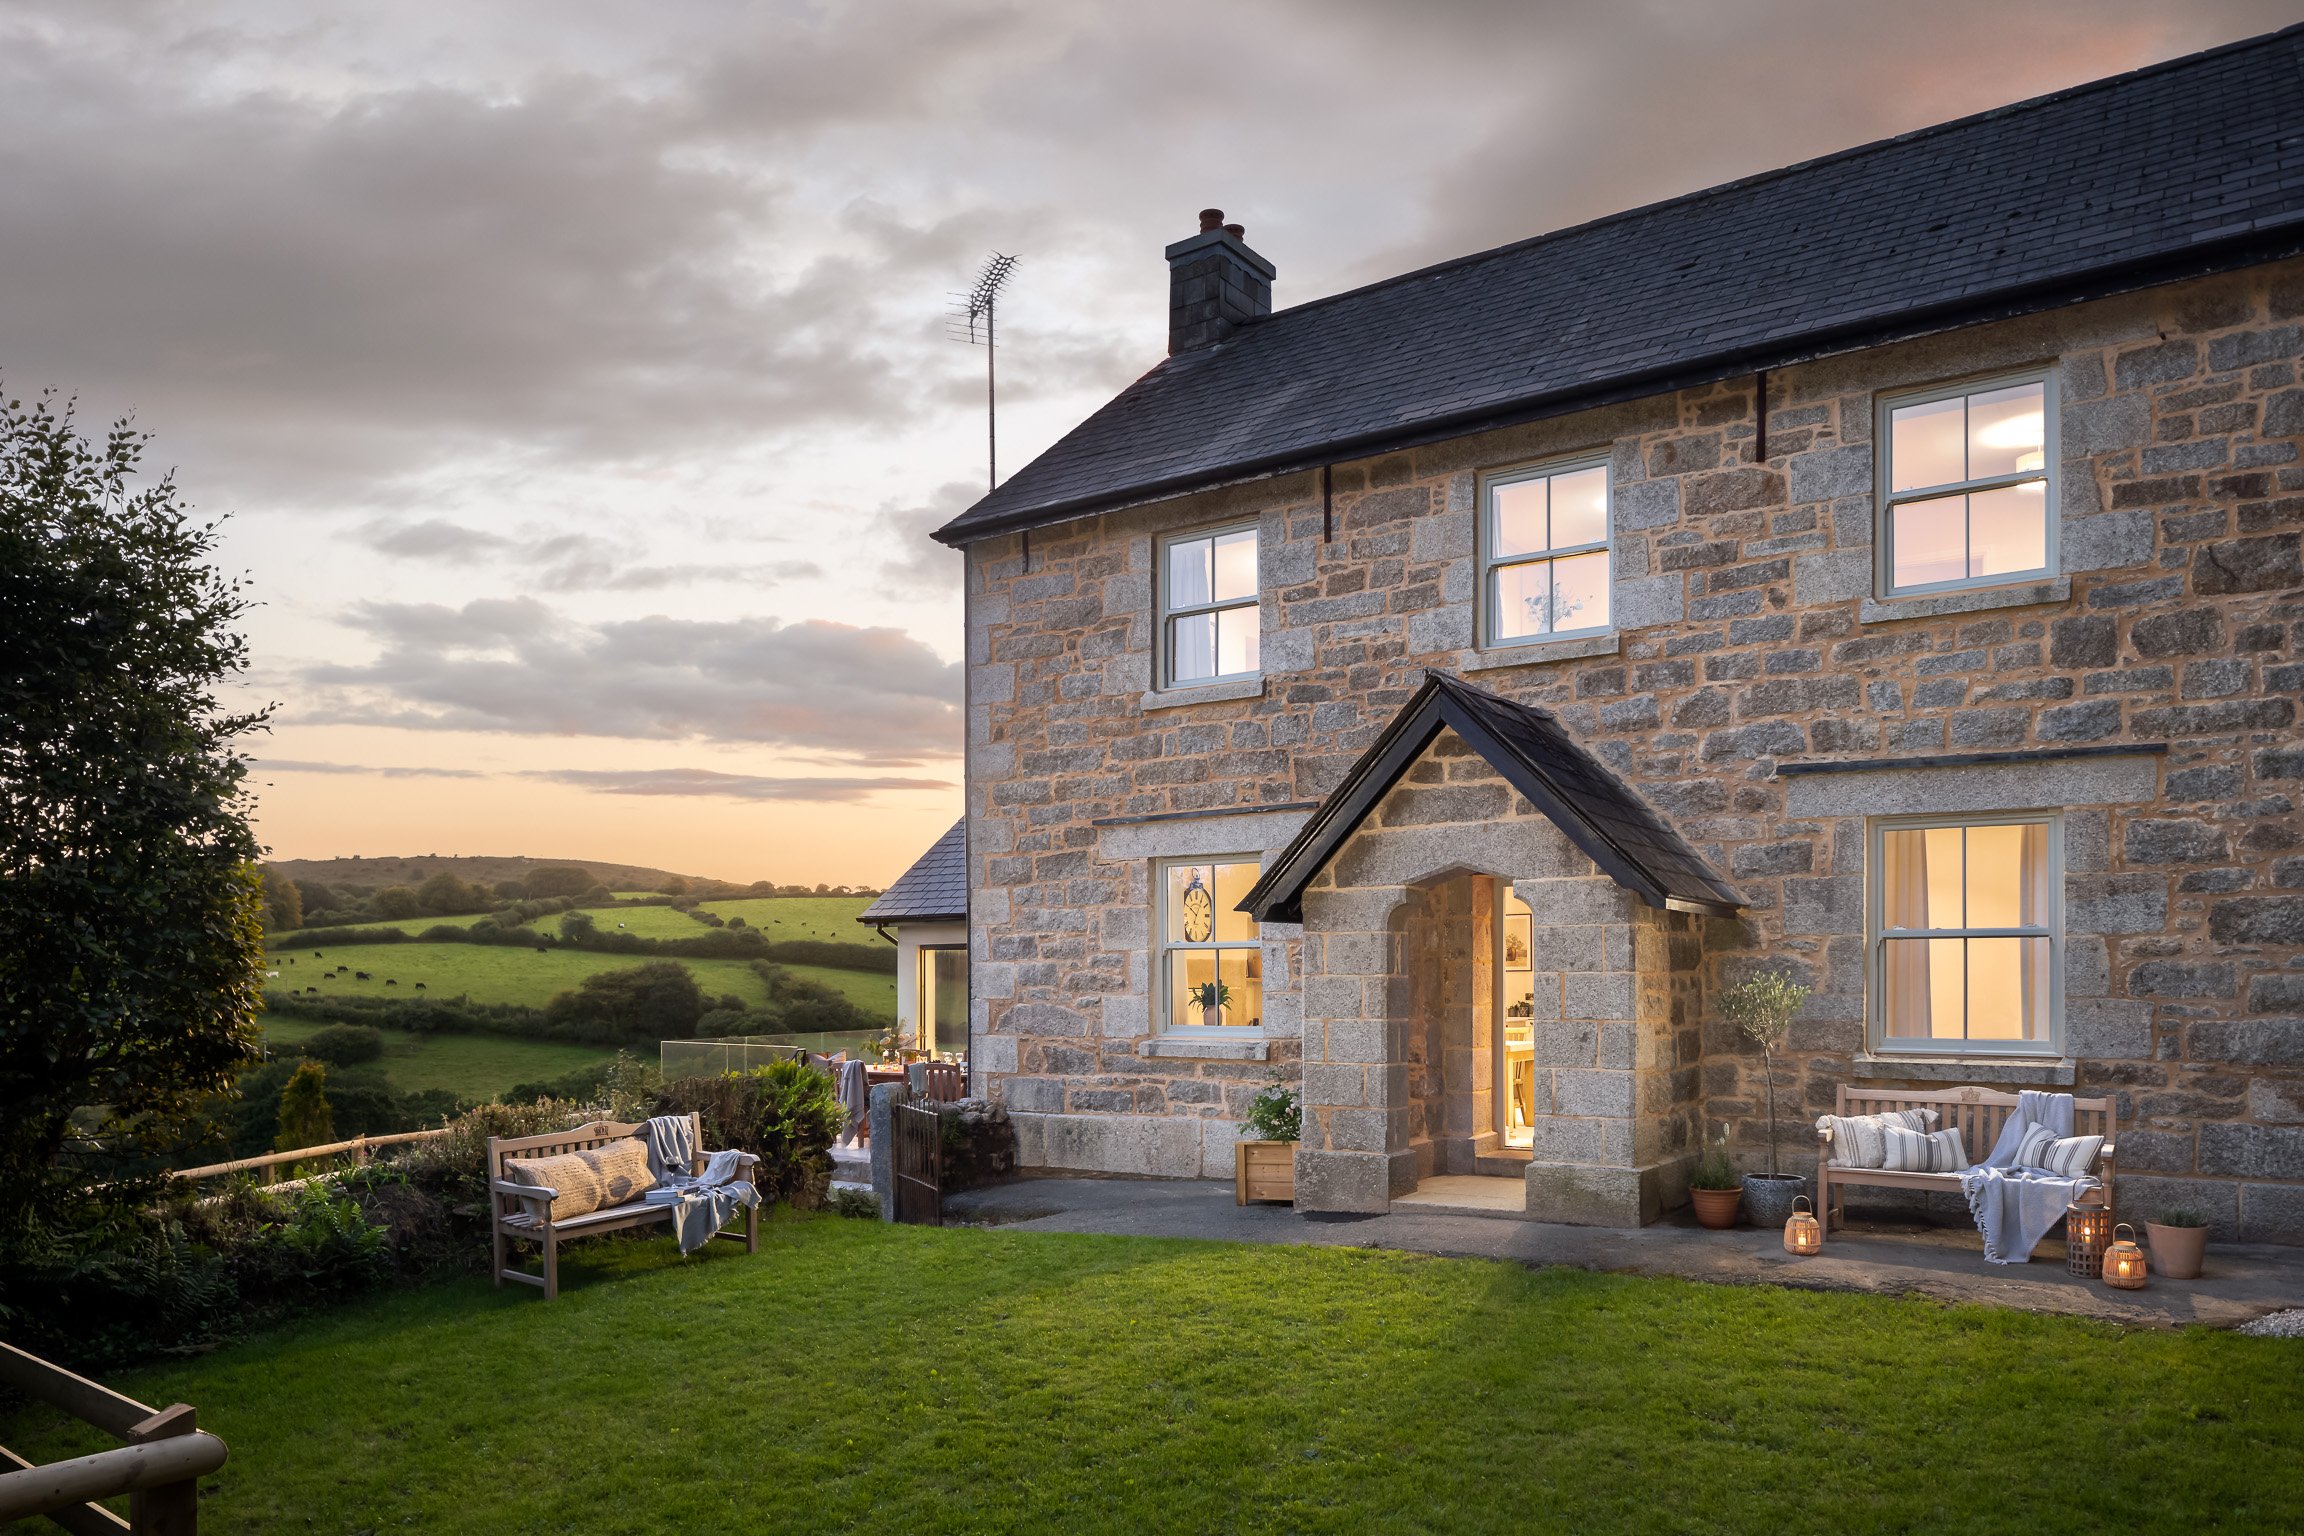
2070 1158
1857 1140
1924 1152
2033 1146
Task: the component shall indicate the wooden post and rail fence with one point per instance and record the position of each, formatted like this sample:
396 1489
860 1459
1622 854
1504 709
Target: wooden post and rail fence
159 1468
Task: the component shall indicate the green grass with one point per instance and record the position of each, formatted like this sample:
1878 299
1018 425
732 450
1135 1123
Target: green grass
404 924
471 1066
490 973
1002 1381
802 917
869 990
646 922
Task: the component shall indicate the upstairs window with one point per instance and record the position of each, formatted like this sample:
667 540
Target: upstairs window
1208 615
1965 929
1966 487
1544 554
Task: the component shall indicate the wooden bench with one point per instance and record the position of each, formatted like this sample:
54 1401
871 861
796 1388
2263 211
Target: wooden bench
1979 1113
523 1212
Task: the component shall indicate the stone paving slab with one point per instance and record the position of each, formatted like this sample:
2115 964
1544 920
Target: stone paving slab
2239 1282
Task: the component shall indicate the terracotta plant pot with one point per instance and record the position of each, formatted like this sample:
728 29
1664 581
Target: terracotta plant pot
2177 1251
1716 1208
1264 1170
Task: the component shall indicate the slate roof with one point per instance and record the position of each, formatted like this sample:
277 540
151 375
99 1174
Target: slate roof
1600 813
2187 167
933 890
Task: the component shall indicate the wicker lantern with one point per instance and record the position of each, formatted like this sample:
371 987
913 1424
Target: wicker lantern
2087 1227
1802 1234
2124 1261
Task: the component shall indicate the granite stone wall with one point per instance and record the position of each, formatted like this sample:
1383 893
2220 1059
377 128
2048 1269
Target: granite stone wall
1748 638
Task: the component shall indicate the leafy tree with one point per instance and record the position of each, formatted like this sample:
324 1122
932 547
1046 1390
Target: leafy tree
283 903
676 885
318 897
131 954
305 1119
345 1045
445 895
559 880
577 925
656 1001
396 901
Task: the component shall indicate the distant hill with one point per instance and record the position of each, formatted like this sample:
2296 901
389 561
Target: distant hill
375 874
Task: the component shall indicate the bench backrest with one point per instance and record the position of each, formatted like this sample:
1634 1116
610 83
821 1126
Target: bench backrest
597 1134
1978 1112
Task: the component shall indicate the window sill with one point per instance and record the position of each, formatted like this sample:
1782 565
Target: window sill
1876 610
2020 1071
1205 693
1535 653
1206 1048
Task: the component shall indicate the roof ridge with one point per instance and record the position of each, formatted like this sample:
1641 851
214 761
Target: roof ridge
1755 178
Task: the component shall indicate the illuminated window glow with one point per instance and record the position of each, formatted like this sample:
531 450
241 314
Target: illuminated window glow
1209 627
1544 552
1211 960
1964 934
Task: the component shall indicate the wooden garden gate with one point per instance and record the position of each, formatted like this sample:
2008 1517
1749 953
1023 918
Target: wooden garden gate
916 1152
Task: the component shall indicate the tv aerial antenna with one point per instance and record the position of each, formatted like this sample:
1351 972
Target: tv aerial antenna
973 314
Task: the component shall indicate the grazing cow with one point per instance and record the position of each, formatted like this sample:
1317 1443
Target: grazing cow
388 981
360 976
291 959
271 975
315 954
543 948
419 986
311 991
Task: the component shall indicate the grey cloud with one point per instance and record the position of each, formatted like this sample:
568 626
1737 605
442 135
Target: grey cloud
855 694
295 765
730 786
431 539
917 565
574 562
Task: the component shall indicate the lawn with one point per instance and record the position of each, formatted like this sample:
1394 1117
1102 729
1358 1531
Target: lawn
802 917
643 922
490 973
471 1066
404 924
1003 1381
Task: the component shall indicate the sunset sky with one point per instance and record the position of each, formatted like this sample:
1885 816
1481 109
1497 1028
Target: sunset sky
576 374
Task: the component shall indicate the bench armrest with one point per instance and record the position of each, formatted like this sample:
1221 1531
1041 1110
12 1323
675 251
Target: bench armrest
747 1159
523 1191
2106 1152
1824 1135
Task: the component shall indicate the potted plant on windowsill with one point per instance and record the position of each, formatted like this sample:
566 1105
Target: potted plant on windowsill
1213 997
1713 1187
1264 1158
1762 1006
2179 1243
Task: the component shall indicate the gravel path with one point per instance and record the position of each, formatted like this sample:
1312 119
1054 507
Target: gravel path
2277 1325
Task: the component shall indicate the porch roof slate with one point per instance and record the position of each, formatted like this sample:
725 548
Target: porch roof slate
1601 814
2191 166
933 890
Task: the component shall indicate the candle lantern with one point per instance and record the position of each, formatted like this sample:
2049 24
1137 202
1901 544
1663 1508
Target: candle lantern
2087 1227
1802 1234
2124 1261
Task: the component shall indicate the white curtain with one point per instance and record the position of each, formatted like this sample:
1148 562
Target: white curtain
1904 988
2036 901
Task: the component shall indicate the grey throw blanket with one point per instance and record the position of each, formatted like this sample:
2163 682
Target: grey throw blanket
701 1202
2015 1207
854 1097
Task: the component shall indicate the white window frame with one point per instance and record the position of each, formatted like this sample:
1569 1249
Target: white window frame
1876 937
1164 652
1484 602
1162 944
1885 500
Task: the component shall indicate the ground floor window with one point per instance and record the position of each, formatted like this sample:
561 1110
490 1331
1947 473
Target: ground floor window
943 999
1211 959
1965 927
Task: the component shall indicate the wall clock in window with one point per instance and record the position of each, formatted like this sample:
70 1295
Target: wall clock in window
1199 911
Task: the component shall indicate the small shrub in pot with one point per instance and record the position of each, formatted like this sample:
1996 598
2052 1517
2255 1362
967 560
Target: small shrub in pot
1714 1187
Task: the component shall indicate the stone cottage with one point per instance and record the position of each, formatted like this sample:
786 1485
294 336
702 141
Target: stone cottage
1884 570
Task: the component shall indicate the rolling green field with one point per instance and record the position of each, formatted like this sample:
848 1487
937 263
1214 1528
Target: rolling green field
646 922
404 924
801 917
866 989
500 973
469 1066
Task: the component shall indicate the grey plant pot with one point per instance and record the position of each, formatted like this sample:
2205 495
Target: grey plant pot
1768 1197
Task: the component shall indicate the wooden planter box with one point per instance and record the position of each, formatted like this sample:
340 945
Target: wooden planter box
1263 1170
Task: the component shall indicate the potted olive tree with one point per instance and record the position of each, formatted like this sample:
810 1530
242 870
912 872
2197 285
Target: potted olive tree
1264 1158
1762 1006
2179 1243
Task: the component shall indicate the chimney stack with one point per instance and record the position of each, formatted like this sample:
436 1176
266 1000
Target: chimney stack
1215 284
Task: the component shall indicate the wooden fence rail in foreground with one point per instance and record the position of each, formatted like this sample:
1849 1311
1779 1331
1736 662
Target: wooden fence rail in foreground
358 1146
159 1468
